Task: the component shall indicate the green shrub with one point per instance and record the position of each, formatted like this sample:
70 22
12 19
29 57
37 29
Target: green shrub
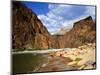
78 59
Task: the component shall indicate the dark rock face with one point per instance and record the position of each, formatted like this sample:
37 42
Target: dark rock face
83 31
28 32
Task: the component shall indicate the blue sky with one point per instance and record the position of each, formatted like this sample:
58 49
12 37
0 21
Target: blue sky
38 8
57 16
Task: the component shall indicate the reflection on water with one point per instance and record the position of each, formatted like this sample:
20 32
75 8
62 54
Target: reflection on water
25 63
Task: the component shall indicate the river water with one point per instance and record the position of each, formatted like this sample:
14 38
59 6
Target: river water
32 61
28 62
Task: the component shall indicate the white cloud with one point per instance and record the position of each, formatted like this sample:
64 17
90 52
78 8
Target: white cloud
91 11
59 16
59 9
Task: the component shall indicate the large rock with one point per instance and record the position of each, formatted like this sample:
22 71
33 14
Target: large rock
28 31
83 31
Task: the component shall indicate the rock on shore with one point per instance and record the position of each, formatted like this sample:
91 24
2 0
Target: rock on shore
79 58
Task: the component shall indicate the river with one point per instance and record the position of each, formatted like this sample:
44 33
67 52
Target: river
29 61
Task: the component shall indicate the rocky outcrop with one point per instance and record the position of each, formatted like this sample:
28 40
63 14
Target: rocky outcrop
27 30
62 31
83 31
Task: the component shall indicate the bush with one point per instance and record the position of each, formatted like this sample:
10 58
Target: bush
78 59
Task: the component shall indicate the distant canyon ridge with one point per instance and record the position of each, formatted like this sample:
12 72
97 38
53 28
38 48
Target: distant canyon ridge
28 32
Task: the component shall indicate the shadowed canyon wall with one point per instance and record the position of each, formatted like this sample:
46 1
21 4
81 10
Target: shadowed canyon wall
28 32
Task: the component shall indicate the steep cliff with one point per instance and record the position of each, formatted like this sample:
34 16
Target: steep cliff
83 31
28 32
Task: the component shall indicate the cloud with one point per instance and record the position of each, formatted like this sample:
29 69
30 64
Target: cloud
61 15
91 10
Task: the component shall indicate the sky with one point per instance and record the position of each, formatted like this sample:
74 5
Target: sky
57 16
